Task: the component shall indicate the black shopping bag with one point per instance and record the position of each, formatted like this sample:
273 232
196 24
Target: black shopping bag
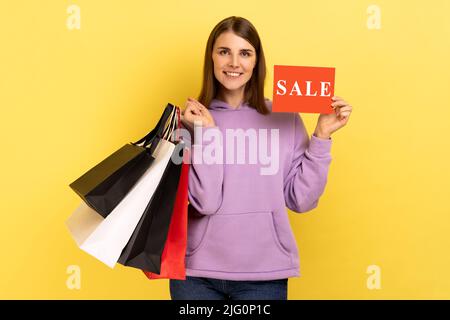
106 184
145 247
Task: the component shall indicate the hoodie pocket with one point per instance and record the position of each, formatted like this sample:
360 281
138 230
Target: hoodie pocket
240 242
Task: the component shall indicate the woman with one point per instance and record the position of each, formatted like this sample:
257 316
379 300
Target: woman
240 243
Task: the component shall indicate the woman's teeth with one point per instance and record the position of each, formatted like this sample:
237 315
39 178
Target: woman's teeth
233 74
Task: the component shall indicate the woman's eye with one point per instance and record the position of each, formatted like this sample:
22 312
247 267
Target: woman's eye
244 53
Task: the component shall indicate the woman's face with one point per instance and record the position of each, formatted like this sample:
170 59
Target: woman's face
234 59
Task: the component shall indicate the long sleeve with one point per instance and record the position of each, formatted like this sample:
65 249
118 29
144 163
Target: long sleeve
205 186
307 176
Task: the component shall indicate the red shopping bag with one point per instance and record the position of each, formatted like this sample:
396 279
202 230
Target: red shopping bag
172 259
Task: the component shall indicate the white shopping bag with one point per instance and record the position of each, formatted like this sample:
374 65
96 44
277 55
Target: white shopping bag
105 238
83 221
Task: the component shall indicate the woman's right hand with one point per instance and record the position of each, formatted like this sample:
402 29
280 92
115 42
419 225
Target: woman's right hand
196 113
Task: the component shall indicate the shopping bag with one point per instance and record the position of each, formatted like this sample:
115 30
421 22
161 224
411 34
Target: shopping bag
145 247
106 184
106 238
83 221
173 255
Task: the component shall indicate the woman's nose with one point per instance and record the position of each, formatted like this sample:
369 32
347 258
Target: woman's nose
234 61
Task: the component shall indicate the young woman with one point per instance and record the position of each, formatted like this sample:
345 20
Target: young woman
240 243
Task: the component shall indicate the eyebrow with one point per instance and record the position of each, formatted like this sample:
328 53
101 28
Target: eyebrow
248 50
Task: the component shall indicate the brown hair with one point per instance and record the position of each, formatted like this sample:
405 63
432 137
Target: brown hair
254 88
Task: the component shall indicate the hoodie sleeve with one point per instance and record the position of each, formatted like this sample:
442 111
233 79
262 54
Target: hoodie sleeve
205 179
307 175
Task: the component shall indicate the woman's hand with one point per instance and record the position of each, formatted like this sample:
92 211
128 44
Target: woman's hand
329 123
196 113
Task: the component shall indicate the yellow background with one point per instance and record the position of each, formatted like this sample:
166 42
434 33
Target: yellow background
69 98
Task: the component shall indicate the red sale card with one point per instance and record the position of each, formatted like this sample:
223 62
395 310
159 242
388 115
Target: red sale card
303 89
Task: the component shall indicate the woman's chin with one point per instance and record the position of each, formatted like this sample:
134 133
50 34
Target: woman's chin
232 87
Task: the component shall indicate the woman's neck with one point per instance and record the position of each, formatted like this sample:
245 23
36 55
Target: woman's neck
232 98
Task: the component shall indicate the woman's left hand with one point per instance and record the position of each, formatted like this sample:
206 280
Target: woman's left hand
329 123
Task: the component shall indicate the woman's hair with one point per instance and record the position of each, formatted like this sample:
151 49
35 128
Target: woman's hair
254 88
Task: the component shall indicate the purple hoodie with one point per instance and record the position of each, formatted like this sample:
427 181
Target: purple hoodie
238 227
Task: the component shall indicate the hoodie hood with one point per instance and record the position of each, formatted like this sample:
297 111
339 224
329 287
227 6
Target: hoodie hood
217 104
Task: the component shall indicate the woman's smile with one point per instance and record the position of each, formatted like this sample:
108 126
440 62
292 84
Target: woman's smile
232 75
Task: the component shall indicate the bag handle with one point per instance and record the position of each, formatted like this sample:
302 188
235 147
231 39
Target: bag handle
174 122
169 127
159 128
177 137
152 144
